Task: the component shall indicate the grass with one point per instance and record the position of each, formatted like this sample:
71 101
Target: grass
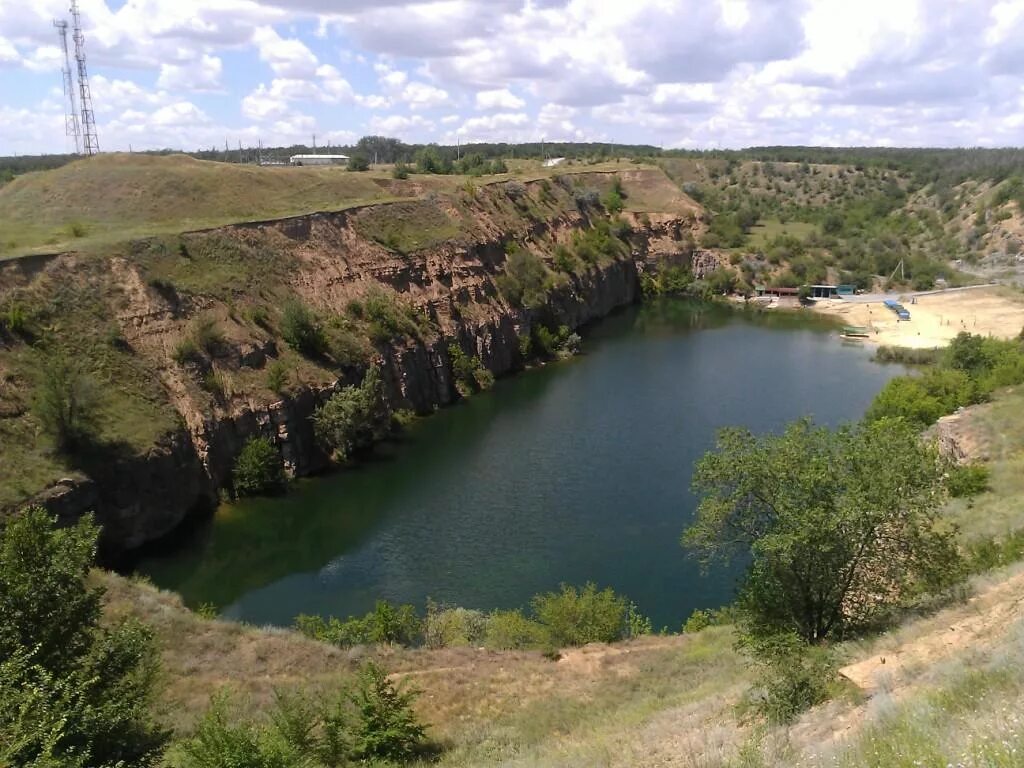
408 226
768 229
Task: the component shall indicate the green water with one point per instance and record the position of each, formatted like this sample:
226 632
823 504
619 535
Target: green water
577 471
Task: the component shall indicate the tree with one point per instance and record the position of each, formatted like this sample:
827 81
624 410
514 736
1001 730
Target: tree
301 329
258 469
358 163
353 418
387 728
838 524
65 403
73 691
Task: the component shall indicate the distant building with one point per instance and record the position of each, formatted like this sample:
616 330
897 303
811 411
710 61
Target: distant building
823 291
551 162
318 159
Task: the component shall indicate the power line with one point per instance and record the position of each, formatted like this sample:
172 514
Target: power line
90 139
71 124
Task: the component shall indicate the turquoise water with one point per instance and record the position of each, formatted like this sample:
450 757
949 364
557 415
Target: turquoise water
578 471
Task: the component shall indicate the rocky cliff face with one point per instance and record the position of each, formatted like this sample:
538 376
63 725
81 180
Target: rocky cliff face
447 268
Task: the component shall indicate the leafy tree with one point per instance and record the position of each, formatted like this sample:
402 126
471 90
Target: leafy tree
302 330
387 728
73 692
358 163
65 403
579 616
354 418
258 469
838 524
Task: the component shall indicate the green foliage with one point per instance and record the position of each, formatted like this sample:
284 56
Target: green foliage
73 691
597 243
792 677
697 621
389 317
386 623
450 627
386 728
185 351
839 524
353 419
564 260
277 376
549 344
302 330
358 163
613 202
525 281
207 335
511 630
400 171
14 319
967 480
258 469
469 372
65 403
77 228
578 617
637 625
921 400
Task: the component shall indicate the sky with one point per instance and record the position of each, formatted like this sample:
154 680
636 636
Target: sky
192 74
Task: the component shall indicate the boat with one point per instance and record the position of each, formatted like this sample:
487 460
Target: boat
855 332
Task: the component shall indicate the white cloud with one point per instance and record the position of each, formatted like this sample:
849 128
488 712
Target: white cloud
8 53
286 57
501 98
423 96
201 74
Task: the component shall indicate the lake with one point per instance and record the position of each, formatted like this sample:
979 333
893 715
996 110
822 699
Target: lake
577 471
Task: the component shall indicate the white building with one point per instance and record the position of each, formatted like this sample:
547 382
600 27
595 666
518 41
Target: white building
318 159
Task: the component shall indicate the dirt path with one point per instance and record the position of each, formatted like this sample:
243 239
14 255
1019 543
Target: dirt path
983 619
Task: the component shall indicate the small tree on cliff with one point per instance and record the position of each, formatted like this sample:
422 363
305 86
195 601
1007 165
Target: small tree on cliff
64 402
839 523
73 692
354 418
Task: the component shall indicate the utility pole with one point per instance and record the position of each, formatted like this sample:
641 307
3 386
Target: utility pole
71 125
90 139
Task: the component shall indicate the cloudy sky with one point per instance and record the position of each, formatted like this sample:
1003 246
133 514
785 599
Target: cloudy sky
675 73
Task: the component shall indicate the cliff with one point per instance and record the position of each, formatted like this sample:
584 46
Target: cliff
179 411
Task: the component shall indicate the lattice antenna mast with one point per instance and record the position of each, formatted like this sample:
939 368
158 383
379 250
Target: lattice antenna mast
89 137
71 125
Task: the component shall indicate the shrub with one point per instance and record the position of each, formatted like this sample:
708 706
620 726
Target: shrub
400 171
354 418
277 377
301 329
14 318
390 318
77 229
587 198
968 480
65 403
525 281
577 617
258 469
564 260
613 202
637 625
386 624
511 630
793 677
387 728
358 163
446 627
75 689
469 372
185 351
698 621
207 335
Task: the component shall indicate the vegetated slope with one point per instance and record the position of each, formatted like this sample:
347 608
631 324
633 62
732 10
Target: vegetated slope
116 196
794 222
183 337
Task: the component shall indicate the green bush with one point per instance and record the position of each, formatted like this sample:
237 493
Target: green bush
386 728
185 351
277 377
302 330
65 403
258 469
76 689
386 624
525 281
447 627
353 419
577 617
469 372
358 163
400 171
511 630
968 480
14 319
564 260
793 677
390 318
698 621
207 335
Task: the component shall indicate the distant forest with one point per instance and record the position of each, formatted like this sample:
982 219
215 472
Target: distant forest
945 166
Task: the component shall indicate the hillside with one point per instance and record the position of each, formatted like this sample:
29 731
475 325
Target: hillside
183 339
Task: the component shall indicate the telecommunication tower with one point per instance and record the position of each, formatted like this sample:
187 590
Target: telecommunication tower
89 138
71 124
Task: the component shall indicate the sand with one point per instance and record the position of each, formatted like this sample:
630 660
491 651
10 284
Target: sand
935 318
